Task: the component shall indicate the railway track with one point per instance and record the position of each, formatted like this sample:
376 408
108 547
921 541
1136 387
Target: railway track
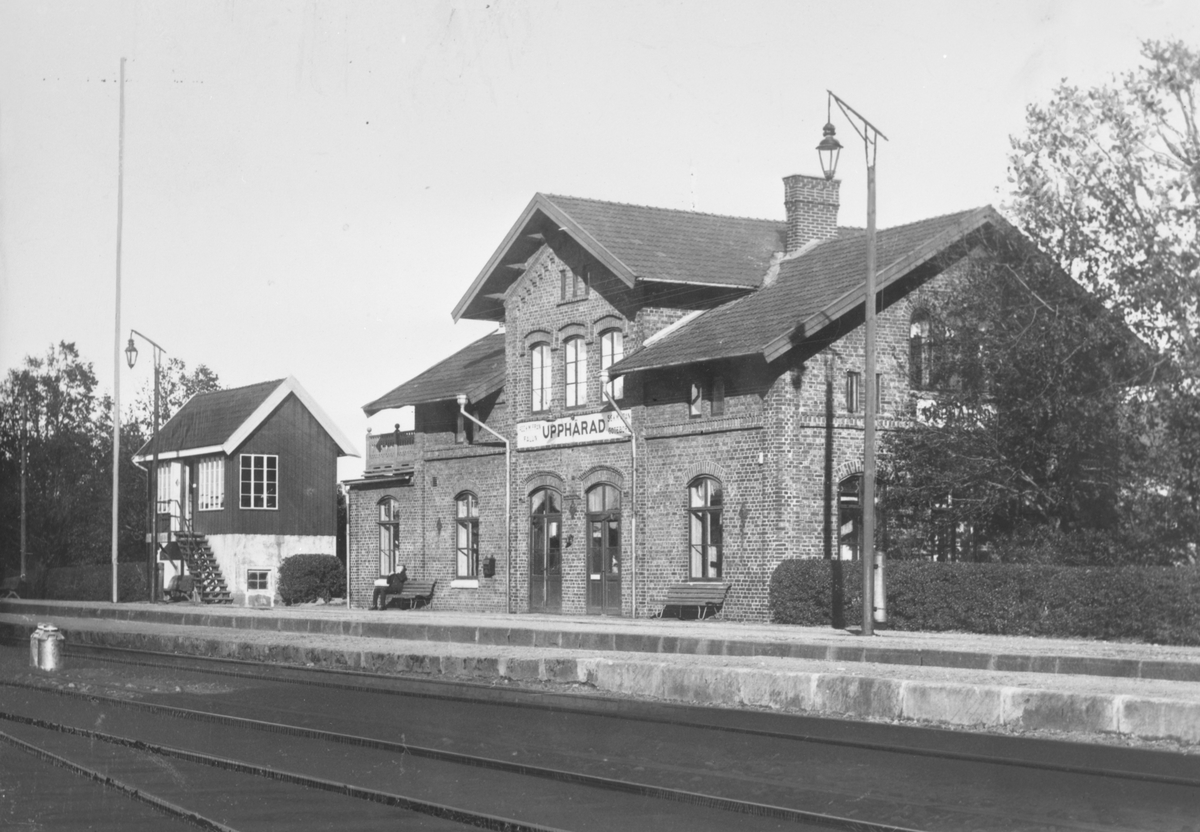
425 749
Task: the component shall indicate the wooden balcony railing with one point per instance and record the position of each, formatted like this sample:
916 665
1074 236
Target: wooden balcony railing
390 451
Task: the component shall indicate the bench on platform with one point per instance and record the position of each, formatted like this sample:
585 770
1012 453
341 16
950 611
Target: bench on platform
416 593
10 587
707 597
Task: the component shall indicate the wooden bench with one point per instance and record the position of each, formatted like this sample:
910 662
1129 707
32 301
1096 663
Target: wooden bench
413 592
10 587
708 597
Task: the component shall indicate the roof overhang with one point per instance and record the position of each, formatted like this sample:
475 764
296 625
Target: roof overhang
539 223
286 387
955 240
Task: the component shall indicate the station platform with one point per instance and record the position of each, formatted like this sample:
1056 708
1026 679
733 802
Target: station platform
1081 690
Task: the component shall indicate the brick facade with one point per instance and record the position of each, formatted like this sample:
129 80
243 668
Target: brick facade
779 448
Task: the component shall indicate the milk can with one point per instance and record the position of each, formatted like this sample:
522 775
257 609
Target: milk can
45 647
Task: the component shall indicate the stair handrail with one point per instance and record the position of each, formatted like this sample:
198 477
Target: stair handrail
187 540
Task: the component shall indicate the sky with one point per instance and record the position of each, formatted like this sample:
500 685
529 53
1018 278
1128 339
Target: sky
310 187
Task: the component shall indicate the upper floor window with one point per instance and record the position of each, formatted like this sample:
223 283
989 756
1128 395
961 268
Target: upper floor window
539 361
575 285
612 350
853 391
260 481
718 396
466 538
705 504
576 371
921 351
389 535
210 476
695 399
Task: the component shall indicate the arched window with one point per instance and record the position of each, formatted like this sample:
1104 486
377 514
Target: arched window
466 536
389 535
539 361
612 350
850 517
705 502
575 350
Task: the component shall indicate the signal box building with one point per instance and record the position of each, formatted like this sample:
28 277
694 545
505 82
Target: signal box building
248 475
734 349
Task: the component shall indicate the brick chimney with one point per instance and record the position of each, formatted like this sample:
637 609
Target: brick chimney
812 208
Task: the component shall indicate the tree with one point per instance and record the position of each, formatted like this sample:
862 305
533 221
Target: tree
1025 427
49 405
176 386
1107 181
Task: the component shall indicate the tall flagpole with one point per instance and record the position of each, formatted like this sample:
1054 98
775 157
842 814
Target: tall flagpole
116 399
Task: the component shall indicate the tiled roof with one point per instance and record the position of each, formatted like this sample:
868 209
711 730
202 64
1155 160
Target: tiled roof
477 369
208 419
679 246
807 285
634 242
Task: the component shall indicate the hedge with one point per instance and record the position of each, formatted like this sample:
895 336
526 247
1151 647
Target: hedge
305 578
1157 605
94 583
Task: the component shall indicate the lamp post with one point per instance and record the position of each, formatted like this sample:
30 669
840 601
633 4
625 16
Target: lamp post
829 150
131 354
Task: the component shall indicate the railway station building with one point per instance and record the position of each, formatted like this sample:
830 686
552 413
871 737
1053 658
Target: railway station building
670 398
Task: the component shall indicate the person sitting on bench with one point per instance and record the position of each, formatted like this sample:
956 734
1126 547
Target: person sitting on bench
388 585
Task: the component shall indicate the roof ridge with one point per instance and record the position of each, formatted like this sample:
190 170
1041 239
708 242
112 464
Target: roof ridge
276 382
672 210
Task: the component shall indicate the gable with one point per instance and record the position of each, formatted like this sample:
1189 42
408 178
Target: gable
220 421
633 243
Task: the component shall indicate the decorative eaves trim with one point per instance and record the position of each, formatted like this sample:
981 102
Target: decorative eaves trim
542 204
893 271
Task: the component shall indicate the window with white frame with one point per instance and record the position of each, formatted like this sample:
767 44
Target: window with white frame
210 475
389 535
258 580
260 481
695 399
705 537
539 362
576 372
612 350
466 513
164 487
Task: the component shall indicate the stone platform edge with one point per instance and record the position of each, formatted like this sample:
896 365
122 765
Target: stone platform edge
625 642
960 705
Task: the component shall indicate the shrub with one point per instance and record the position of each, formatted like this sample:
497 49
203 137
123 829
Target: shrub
94 583
305 578
1154 604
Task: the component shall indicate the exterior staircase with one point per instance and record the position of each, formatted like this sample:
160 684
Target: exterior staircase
202 566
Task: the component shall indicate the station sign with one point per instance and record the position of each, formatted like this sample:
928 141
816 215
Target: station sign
573 430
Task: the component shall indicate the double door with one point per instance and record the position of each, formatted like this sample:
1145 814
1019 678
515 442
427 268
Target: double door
603 557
